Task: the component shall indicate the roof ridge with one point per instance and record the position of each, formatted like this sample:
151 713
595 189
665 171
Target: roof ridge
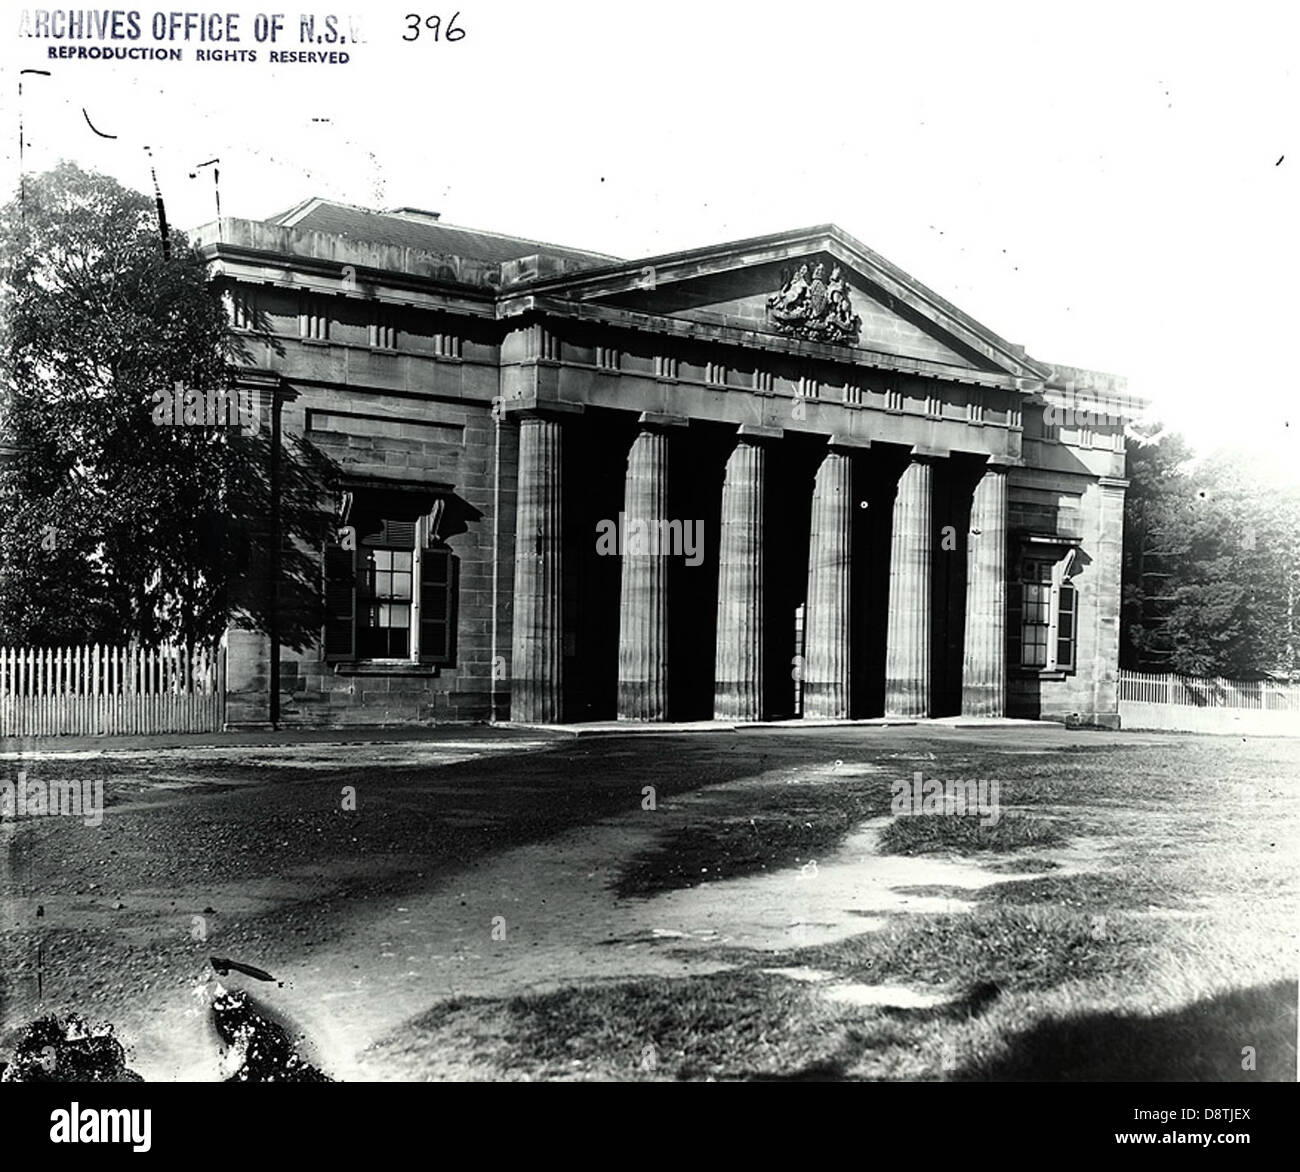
295 211
313 202
526 240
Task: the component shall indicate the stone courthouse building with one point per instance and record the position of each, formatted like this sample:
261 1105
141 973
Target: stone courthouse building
757 480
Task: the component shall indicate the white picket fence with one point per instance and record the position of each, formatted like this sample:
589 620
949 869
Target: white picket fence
1209 691
57 691
1208 704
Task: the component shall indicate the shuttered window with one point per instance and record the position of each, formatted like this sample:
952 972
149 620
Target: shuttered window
1035 613
385 591
391 599
1042 615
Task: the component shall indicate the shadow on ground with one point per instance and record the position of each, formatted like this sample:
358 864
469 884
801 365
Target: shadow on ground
1201 1042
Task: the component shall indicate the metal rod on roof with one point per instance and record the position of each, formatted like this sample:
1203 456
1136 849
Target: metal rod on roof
216 184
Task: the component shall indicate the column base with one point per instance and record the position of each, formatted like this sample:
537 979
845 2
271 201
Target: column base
904 699
640 702
982 700
730 704
824 701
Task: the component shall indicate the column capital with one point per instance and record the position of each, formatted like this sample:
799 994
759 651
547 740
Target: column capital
847 443
757 433
552 410
923 453
652 419
992 461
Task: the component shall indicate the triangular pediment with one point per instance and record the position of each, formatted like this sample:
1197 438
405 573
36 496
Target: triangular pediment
818 286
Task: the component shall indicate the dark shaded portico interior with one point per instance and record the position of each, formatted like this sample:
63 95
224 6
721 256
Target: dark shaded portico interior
595 463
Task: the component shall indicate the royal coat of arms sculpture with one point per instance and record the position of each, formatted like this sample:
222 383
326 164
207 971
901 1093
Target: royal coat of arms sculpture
813 308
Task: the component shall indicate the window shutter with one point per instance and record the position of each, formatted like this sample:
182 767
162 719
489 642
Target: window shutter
1015 594
392 535
438 606
1065 630
340 603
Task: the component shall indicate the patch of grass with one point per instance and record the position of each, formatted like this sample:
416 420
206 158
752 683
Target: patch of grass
1092 891
935 891
1032 863
1012 947
922 834
723 1025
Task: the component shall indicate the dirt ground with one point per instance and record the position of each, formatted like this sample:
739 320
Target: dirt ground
376 881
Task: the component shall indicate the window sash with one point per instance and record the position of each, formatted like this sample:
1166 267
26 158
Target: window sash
390 601
1043 616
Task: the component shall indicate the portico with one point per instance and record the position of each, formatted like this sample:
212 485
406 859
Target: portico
850 606
753 678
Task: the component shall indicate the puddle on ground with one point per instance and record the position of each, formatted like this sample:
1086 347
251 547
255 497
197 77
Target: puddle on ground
819 901
883 996
801 973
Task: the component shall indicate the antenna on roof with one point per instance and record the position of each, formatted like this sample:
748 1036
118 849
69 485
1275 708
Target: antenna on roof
216 179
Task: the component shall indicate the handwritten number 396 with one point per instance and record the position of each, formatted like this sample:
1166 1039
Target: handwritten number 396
415 24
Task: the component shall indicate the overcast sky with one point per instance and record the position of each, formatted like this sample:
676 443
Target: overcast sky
1111 185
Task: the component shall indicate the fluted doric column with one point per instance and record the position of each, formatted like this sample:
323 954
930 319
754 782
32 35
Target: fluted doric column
643 595
907 639
984 658
826 614
536 668
738 668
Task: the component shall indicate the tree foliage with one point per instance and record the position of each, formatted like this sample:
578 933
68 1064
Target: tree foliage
1211 564
111 525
